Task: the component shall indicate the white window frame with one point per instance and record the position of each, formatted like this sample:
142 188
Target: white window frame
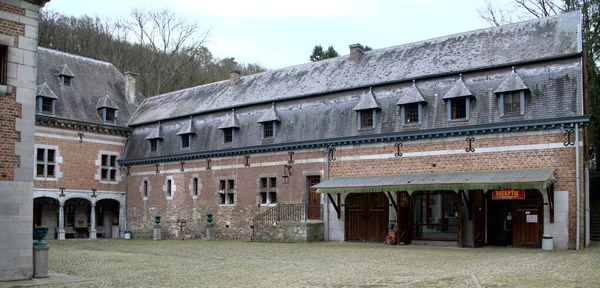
148 188
98 163
57 161
198 187
173 187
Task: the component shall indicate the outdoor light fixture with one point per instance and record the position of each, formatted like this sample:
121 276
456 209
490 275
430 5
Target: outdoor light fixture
94 193
287 172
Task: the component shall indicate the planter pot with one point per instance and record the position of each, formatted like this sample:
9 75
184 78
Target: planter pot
39 234
127 235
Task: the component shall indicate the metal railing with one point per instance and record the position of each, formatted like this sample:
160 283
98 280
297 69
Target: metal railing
286 212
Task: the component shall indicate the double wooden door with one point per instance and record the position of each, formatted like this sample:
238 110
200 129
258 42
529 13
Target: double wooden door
367 216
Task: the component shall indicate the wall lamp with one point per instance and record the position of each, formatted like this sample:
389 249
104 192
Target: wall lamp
287 172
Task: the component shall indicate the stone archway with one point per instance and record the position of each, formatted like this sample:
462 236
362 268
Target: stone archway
107 214
45 213
77 218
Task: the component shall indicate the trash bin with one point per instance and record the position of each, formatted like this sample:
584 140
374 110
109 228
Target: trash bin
547 243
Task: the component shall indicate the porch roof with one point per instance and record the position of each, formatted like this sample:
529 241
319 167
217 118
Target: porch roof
475 180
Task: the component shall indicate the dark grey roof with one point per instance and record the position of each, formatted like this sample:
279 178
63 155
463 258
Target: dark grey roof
413 96
367 101
539 39
270 115
459 89
156 133
231 122
65 71
512 83
45 91
188 128
106 102
94 79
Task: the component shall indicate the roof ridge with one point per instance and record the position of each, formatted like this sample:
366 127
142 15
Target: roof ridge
74 55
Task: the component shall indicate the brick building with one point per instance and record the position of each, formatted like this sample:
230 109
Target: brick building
428 136
83 106
18 54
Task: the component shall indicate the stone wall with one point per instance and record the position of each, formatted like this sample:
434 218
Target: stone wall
19 22
292 232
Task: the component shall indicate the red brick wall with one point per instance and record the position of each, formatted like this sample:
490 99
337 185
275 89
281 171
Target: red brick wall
12 9
10 110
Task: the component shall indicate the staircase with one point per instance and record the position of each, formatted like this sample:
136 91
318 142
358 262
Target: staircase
289 223
595 220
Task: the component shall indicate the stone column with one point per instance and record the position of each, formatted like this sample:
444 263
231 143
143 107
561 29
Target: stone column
40 261
93 224
122 221
61 221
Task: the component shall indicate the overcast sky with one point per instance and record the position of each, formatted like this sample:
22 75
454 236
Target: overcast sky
279 33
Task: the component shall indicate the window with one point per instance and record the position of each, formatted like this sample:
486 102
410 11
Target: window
459 108
366 119
195 186
185 140
411 114
268 130
268 190
227 192
512 103
435 215
228 135
3 57
45 105
145 189
108 168
45 163
110 115
169 192
169 188
153 145
66 80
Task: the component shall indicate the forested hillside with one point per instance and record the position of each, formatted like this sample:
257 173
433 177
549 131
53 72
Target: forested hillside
167 51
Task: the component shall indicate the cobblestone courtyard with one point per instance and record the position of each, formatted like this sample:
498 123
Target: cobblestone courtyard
196 263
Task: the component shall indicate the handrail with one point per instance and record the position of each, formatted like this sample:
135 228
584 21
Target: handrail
286 212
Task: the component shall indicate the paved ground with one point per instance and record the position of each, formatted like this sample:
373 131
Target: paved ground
198 263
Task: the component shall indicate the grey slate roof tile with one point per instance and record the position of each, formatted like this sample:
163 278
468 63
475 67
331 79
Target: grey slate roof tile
106 102
367 101
232 122
188 128
539 39
459 89
512 83
65 71
45 91
156 133
413 96
270 115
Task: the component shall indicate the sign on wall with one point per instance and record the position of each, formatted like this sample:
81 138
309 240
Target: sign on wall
508 194
532 218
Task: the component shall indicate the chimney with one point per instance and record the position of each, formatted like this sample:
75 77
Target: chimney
234 77
130 79
356 51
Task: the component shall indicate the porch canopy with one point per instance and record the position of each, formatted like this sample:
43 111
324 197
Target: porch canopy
478 180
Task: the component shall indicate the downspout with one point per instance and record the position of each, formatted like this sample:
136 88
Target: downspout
577 183
586 188
327 198
126 186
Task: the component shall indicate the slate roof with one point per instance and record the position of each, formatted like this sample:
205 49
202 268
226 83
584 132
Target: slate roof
45 91
93 79
539 39
65 71
459 89
512 83
106 102
367 101
270 115
231 122
413 96
156 133
188 128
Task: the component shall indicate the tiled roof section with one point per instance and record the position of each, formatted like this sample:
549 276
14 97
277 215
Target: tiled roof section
232 122
45 91
459 89
66 71
367 101
106 102
538 39
94 79
188 128
512 83
156 133
413 96
270 115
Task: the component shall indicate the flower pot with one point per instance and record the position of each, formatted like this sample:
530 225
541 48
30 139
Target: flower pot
39 233
209 218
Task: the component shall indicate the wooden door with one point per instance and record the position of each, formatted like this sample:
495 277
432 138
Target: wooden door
314 199
366 217
528 219
404 225
478 202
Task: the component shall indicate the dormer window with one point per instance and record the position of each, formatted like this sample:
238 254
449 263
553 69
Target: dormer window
458 108
65 75
107 109
185 141
411 114
366 111
268 123
45 105
228 135
186 133
511 95
228 129
109 114
458 101
268 130
45 99
154 138
153 145
66 81
411 106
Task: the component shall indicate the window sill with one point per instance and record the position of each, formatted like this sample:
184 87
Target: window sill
169 198
108 182
267 205
411 125
367 129
45 179
194 197
145 198
226 205
515 115
461 120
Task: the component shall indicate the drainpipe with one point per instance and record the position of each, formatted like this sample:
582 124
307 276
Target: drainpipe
327 198
121 233
586 184
577 183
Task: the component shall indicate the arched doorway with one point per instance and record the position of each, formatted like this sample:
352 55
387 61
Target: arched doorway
107 218
367 216
45 213
77 218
